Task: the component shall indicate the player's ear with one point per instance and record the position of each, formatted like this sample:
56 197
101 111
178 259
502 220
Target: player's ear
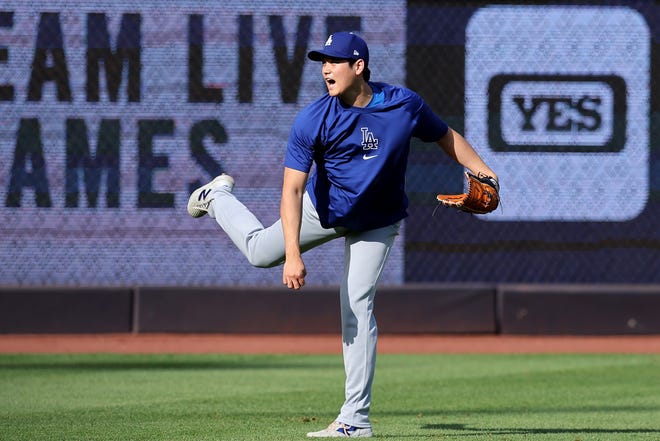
359 66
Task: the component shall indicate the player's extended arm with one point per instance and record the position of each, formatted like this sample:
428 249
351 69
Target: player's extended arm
293 188
462 152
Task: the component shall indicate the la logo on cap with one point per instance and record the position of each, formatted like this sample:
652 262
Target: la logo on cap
328 42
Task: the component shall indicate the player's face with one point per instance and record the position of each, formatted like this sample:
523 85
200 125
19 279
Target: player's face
339 76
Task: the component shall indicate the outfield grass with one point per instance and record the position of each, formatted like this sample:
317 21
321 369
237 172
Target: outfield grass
281 397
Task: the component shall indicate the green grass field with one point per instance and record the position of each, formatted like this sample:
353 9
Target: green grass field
281 397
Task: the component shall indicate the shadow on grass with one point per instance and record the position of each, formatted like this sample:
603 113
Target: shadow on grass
462 430
164 362
515 410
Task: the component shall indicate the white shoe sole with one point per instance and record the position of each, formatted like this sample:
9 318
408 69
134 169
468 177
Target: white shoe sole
200 199
332 432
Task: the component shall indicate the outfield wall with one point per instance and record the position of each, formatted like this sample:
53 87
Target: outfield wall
410 309
112 112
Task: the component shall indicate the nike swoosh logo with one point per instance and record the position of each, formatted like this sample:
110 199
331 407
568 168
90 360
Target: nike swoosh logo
365 157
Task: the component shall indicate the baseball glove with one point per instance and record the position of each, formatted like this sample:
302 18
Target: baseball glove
483 195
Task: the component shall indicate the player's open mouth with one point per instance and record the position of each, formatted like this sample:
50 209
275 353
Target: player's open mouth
330 81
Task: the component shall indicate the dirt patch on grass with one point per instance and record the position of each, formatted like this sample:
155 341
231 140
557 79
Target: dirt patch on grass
321 344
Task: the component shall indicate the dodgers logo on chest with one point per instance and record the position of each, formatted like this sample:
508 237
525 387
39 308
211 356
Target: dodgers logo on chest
369 144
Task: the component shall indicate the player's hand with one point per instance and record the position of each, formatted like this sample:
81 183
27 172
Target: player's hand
294 272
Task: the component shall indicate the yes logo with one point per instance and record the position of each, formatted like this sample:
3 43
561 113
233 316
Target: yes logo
558 106
557 113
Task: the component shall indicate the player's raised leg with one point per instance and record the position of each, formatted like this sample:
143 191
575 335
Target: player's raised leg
262 246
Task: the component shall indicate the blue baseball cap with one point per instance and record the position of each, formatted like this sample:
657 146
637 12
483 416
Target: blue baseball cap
343 45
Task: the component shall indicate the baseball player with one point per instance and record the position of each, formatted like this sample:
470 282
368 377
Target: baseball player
358 136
